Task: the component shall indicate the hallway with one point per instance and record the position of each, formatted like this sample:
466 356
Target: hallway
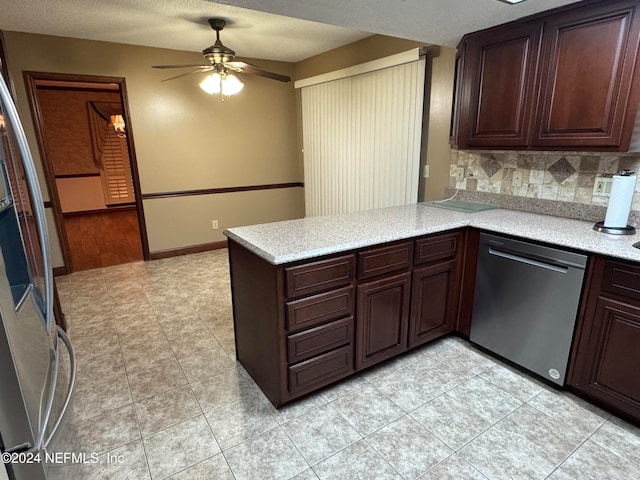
103 239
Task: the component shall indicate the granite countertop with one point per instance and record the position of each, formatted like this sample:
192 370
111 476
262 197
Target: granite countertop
300 239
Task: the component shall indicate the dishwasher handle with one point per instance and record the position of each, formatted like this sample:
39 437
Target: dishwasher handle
541 263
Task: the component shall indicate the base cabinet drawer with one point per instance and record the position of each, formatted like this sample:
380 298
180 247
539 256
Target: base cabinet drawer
437 247
321 370
319 276
325 307
315 341
622 279
380 261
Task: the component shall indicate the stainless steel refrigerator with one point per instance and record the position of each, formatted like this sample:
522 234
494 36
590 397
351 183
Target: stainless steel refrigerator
34 394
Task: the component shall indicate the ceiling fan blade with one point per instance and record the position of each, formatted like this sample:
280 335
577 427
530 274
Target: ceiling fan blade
179 66
217 54
199 70
239 65
264 73
253 70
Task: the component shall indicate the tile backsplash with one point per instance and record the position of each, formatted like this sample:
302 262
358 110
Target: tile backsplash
559 176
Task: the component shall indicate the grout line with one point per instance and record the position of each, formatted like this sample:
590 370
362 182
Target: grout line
295 446
559 465
382 456
135 411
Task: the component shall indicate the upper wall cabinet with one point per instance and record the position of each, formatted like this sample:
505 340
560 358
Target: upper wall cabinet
587 75
498 86
561 81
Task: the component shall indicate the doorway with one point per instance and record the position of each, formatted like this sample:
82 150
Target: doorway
86 145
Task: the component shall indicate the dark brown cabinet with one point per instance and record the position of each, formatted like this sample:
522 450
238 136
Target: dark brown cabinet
436 285
498 86
383 260
383 302
318 276
434 302
294 324
588 96
606 352
563 80
305 325
383 319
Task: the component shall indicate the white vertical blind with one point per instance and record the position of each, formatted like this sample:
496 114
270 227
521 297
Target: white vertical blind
361 139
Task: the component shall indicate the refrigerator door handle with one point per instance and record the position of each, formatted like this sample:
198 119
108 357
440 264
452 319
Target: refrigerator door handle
24 447
72 381
41 443
38 204
48 406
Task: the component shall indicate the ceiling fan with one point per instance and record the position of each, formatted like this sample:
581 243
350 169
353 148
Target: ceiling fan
221 64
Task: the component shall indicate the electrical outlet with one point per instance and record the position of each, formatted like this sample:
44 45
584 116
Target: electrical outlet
460 174
602 186
425 171
517 178
214 224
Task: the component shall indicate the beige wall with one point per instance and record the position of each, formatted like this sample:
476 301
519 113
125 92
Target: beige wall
187 140
184 138
365 50
438 150
239 208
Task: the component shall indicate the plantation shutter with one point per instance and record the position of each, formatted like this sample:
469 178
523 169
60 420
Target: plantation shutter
117 183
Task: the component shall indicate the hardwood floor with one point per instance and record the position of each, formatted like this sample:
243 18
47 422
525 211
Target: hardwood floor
102 239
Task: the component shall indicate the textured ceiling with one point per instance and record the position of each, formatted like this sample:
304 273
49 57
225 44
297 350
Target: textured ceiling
439 22
285 30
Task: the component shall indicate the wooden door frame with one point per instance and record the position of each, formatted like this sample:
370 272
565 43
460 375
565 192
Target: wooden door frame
30 80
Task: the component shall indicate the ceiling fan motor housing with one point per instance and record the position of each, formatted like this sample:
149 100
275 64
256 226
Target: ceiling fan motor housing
218 53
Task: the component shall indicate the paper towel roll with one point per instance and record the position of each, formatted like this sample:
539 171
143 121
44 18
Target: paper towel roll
620 200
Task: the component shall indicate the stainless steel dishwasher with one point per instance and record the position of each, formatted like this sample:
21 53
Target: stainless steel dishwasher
526 303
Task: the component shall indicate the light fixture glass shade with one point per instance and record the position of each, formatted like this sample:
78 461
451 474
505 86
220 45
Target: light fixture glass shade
228 84
118 125
231 85
211 83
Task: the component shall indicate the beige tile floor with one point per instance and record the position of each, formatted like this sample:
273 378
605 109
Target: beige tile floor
159 395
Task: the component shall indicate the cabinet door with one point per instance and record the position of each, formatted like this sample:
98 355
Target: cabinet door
587 71
434 302
608 356
383 317
498 86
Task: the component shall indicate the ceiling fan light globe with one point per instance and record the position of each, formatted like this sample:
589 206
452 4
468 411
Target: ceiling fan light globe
211 83
231 85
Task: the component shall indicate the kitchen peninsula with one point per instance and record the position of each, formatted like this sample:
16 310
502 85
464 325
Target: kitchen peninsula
318 299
